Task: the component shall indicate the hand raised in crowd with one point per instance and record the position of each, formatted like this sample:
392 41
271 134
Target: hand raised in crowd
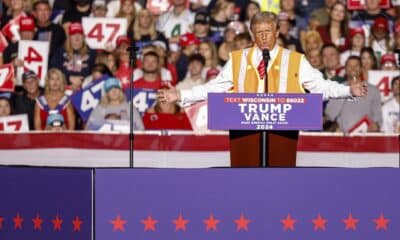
359 89
169 95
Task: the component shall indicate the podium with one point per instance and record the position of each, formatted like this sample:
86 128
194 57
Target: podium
279 117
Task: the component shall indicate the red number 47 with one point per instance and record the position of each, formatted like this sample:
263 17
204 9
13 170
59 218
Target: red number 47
97 31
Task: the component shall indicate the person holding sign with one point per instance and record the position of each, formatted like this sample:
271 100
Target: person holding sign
54 100
244 73
113 108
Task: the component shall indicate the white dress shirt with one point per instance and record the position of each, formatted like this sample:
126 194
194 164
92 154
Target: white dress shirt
309 77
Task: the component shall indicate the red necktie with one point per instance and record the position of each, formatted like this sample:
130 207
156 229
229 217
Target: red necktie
261 69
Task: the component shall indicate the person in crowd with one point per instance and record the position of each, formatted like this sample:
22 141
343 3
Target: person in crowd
5 105
113 7
113 108
372 11
391 109
348 113
314 57
127 10
380 39
190 45
99 71
388 62
175 22
212 73
209 51
54 100
108 59
124 70
194 78
151 78
331 60
322 14
201 28
16 8
357 39
75 59
336 31
368 61
161 49
253 7
55 123
166 116
298 24
242 41
27 31
25 102
144 29
232 29
285 26
99 9
47 30
221 15
311 40
80 9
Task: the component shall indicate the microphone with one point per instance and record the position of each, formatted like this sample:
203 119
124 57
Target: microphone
266 57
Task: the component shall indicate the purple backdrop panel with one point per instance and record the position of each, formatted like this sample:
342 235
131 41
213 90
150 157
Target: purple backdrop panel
38 203
226 204
252 111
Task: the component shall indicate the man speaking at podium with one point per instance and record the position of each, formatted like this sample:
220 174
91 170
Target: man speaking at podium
287 72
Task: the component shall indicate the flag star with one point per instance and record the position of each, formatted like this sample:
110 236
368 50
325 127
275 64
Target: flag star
381 222
57 222
18 221
149 224
211 223
37 223
319 223
180 223
350 222
242 223
118 224
76 223
288 223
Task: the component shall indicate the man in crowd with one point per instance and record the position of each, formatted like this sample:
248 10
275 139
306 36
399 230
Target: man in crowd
331 61
349 114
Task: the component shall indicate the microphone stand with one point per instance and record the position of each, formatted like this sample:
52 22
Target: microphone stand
264 134
132 65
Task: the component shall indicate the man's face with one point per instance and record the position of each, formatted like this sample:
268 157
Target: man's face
265 35
150 64
178 2
31 85
195 68
372 4
287 5
314 58
330 58
353 69
42 13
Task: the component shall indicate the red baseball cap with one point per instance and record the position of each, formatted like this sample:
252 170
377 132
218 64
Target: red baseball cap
381 23
75 28
27 24
388 57
188 39
212 72
122 39
355 31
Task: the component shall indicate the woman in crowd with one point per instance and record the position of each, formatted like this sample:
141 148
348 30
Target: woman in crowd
5 105
75 59
368 61
221 15
209 51
253 7
113 108
127 10
380 39
228 45
337 29
144 29
357 37
54 100
311 40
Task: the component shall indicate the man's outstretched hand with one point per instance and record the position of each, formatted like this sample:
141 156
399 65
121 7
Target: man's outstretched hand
359 89
169 95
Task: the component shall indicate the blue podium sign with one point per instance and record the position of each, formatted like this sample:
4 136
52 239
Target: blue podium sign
262 111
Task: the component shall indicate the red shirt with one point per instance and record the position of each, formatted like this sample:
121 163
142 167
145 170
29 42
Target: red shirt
166 121
141 83
344 43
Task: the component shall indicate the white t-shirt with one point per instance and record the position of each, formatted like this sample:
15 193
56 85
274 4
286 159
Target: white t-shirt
174 25
390 116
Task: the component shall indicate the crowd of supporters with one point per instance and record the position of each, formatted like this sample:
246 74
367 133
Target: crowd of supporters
187 45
